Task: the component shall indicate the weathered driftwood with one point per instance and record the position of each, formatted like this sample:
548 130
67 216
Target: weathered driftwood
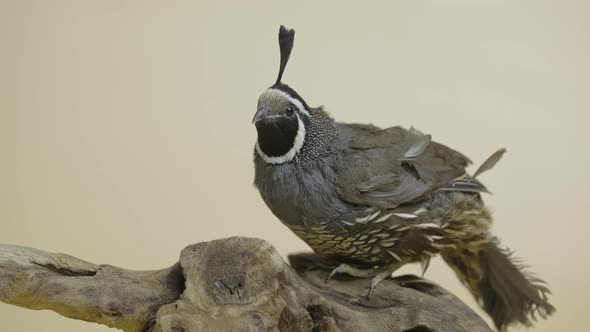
235 284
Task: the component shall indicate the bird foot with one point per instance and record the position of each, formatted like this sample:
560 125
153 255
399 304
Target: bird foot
352 271
384 273
376 280
377 275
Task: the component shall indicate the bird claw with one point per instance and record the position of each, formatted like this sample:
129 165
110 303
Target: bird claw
334 272
376 280
371 291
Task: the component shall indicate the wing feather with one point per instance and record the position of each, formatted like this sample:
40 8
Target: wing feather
490 162
386 168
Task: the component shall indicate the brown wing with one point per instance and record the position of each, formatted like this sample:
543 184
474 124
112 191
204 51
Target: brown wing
389 167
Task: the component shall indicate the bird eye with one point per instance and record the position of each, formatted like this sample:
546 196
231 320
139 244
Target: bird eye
289 111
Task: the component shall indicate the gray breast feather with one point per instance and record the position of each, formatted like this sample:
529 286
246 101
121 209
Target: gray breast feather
300 194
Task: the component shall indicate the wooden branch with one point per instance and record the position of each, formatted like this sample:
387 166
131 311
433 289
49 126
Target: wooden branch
237 284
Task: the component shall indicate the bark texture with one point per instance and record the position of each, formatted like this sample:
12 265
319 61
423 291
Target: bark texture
234 284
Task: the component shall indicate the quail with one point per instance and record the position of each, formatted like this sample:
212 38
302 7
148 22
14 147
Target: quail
374 199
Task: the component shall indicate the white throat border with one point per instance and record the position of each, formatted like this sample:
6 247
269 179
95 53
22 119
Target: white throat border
297 145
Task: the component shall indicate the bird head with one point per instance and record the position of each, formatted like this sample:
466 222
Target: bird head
282 114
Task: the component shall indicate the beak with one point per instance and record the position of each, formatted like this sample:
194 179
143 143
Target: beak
261 114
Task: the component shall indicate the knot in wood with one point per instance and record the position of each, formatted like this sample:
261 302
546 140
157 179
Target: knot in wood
233 285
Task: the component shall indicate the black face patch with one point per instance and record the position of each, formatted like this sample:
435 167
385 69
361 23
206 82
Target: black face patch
276 136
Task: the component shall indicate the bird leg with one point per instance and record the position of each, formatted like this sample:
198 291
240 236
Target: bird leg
378 274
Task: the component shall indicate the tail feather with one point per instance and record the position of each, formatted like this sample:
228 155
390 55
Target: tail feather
501 284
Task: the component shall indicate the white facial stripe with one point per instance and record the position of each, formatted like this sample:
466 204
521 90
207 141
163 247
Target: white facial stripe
293 101
297 145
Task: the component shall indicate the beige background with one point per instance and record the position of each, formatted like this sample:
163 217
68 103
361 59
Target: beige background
125 129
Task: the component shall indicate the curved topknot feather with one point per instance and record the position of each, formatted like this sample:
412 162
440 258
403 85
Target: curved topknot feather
286 38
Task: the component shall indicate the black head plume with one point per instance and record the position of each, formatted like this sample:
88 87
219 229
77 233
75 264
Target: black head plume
286 38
